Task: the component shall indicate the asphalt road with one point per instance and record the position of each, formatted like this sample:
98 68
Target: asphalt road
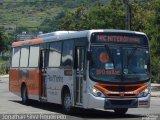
12 108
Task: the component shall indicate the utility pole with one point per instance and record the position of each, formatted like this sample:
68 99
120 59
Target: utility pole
128 16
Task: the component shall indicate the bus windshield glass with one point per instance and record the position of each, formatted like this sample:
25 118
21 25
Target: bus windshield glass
119 63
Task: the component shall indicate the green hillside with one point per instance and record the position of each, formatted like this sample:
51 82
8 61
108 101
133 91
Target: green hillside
31 13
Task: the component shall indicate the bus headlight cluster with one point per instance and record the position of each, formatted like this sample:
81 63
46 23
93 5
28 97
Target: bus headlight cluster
144 92
96 92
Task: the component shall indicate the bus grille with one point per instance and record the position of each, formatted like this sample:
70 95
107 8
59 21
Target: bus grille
121 88
119 95
121 91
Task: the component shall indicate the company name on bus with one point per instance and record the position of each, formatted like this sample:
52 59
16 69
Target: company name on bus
107 72
118 39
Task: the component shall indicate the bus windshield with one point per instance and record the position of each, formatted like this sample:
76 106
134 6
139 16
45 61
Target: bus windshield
117 63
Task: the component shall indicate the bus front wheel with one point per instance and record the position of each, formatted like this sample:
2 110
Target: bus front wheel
24 95
67 106
121 111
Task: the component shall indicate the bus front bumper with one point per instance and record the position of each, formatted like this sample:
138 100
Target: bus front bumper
113 103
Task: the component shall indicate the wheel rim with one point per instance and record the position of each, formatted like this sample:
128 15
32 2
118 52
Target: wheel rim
67 102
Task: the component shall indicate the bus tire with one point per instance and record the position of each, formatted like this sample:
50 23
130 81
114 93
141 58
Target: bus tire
67 103
24 95
121 111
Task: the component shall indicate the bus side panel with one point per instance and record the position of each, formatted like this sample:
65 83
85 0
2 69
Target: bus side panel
14 83
56 79
34 84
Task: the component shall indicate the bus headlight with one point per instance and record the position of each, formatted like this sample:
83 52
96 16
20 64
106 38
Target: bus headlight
144 92
96 92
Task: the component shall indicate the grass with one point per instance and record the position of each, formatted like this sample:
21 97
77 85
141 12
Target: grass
32 15
4 62
2 67
28 16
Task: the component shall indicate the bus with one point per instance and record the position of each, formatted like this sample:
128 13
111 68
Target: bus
103 69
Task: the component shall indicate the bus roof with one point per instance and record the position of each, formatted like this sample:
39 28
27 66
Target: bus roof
62 35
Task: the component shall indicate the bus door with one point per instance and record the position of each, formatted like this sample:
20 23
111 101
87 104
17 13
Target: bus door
80 74
43 67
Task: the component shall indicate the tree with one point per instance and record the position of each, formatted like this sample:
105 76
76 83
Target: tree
146 18
141 16
98 17
155 41
51 24
3 40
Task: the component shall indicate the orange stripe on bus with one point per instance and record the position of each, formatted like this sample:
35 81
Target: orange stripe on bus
30 41
33 83
108 89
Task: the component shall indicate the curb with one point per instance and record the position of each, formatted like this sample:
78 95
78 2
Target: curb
155 88
4 76
156 94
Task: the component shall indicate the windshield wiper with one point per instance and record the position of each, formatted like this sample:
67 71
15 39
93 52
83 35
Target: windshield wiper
131 55
109 52
89 57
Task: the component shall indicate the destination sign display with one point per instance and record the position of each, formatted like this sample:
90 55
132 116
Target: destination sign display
119 38
124 39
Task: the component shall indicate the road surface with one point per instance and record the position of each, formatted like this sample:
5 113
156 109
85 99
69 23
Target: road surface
12 108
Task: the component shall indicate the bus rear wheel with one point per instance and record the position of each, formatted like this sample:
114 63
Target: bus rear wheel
24 95
67 106
121 111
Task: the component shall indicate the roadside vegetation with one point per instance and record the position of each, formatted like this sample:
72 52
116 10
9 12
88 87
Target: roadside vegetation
5 41
89 14
4 63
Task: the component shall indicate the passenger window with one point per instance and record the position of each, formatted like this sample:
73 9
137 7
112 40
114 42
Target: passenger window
15 57
55 55
67 54
34 56
24 57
